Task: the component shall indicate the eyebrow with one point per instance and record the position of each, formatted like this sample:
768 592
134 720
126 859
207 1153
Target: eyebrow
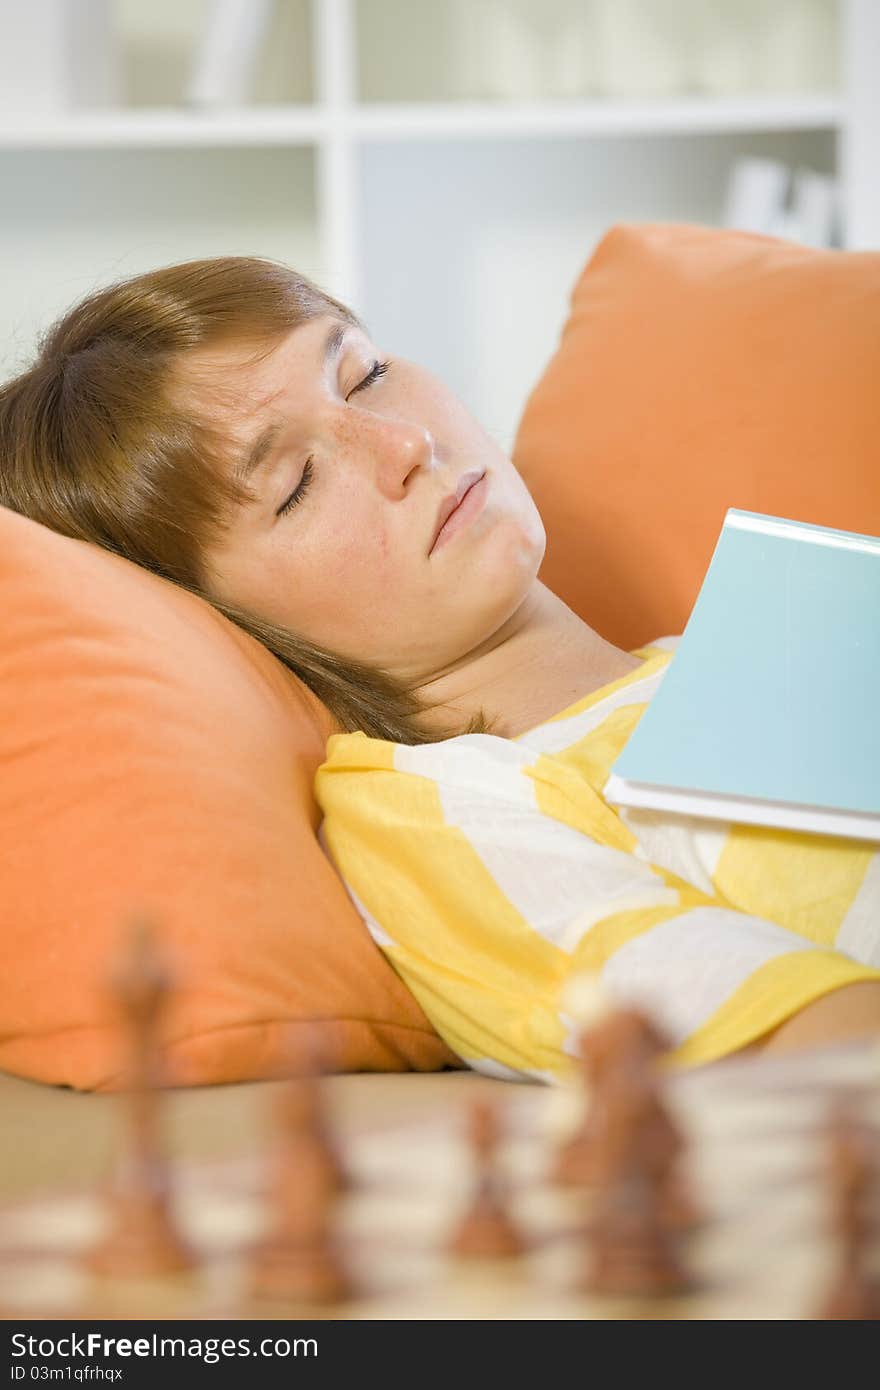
260 451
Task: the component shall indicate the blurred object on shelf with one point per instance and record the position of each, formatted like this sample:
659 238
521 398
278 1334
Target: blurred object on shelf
160 43
797 46
522 50
765 196
226 57
758 46
649 48
284 68
813 215
573 70
641 49
757 191
723 57
55 56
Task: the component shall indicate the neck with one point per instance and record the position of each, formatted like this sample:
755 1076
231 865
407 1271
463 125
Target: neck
542 659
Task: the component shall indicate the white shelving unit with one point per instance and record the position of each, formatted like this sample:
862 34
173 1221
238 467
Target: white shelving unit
456 229
307 124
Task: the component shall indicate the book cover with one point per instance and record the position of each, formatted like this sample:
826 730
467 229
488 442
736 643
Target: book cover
768 712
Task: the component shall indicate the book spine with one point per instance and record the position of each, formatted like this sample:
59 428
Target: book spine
55 55
224 65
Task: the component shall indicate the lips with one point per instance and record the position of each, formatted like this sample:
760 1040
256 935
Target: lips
449 504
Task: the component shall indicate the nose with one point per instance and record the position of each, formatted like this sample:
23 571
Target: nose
400 450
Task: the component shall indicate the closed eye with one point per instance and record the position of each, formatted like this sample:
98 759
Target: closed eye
377 370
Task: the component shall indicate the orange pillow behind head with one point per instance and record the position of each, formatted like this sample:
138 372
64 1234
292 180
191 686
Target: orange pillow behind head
157 758
698 370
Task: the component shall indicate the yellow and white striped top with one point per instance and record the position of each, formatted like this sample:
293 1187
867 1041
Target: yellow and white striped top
491 872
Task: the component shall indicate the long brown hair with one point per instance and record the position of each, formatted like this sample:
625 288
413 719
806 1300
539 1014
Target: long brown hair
96 443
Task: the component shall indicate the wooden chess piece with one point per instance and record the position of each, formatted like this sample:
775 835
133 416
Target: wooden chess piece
680 1212
574 1163
299 1260
631 1245
486 1230
307 1066
632 1252
142 1240
853 1172
649 1142
623 1036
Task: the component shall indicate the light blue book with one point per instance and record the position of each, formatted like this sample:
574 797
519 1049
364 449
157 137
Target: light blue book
769 711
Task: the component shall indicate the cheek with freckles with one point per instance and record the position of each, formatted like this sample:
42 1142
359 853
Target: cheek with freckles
340 587
368 551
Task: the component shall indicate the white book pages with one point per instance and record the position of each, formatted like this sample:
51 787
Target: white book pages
818 820
757 191
815 206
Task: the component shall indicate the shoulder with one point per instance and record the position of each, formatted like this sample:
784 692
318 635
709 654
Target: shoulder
487 763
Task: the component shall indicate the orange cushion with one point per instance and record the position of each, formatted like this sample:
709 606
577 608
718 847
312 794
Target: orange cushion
698 370
154 756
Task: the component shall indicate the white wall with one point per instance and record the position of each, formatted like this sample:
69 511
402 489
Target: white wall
472 250
71 221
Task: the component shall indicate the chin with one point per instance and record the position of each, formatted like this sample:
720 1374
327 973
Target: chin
509 567
540 539
523 540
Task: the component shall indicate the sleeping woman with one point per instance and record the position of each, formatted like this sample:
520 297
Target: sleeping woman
229 426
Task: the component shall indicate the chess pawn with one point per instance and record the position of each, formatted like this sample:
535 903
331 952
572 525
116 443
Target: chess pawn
639 1137
486 1229
631 1247
632 1252
622 1036
574 1164
647 1142
854 1294
142 1240
680 1212
299 1259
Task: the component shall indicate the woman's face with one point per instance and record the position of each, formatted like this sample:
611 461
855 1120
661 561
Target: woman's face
349 565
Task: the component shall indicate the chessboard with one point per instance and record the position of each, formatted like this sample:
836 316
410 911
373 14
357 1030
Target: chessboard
755 1160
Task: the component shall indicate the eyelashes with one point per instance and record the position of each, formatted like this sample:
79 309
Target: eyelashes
377 370
299 491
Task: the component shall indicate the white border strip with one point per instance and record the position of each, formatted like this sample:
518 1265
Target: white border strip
801 531
779 814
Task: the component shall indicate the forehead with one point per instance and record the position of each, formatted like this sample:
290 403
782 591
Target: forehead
251 375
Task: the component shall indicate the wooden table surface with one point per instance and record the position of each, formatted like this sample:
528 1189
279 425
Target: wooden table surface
756 1156
54 1137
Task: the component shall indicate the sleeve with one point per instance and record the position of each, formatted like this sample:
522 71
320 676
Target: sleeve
489 909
